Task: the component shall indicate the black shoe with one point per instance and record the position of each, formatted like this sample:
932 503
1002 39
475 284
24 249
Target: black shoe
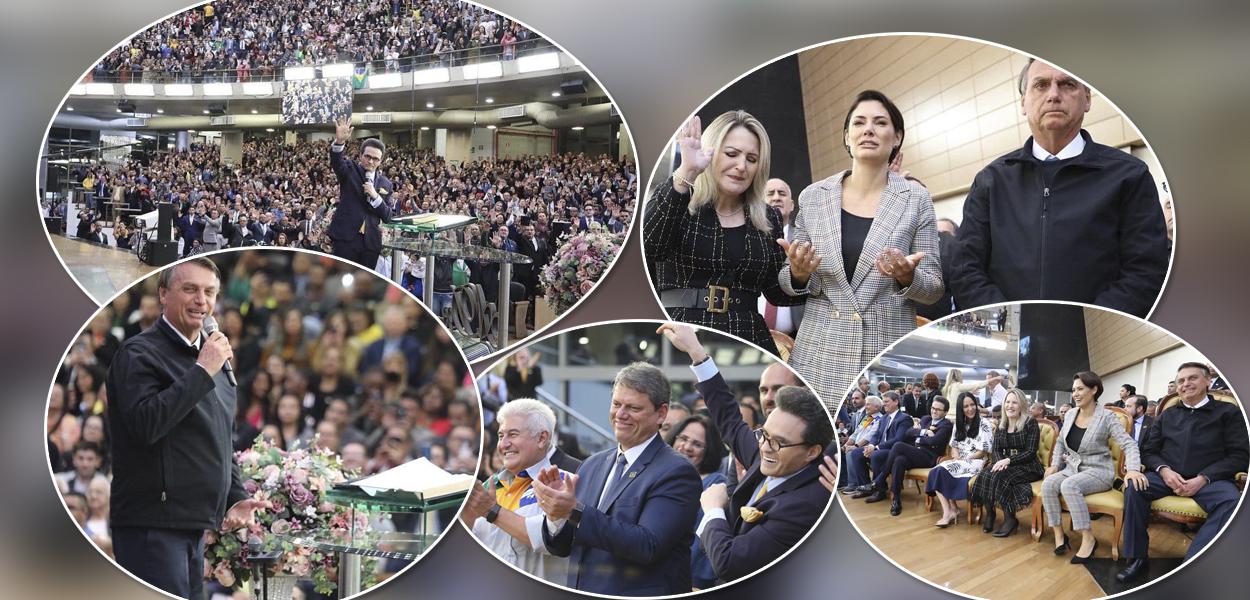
1078 560
876 496
1136 568
1010 523
1062 549
850 489
896 507
860 492
990 516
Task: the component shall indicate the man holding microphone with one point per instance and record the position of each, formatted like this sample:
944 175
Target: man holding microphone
171 410
363 198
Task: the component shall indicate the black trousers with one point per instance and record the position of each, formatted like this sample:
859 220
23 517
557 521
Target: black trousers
904 456
169 559
353 249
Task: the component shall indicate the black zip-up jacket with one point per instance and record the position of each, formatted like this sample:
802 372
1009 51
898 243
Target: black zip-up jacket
173 463
1091 232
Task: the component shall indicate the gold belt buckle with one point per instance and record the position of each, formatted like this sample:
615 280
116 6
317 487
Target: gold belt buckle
717 294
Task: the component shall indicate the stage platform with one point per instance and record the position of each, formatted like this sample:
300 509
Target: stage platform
101 270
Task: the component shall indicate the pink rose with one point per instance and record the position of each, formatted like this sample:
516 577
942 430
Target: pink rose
281 526
224 575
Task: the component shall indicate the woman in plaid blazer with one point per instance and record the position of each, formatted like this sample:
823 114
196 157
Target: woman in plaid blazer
865 251
711 235
1082 464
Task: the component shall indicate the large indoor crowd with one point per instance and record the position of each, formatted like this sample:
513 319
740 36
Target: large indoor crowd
238 40
985 444
352 367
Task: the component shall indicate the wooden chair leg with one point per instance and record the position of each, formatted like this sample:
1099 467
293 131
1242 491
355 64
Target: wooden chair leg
1115 541
1037 519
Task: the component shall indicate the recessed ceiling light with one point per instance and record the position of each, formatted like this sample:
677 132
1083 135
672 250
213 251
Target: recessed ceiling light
269 129
119 110
555 94
578 128
583 340
160 111
490 100
370 107
974 361
425 128
254 111
429 105
935 355
69 108
206 111
490 126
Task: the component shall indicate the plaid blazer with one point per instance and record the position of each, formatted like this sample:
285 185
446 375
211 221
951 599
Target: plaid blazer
850 319
1094 453
689 252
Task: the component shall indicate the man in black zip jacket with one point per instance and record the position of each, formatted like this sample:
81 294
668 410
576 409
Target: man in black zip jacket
1063 218
171 414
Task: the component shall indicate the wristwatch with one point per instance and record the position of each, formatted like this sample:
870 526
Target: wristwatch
575 516
493 513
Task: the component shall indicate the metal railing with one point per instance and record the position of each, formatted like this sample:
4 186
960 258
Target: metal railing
567 410
274 72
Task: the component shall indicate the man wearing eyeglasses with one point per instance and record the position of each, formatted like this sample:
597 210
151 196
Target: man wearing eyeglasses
364 194
780 498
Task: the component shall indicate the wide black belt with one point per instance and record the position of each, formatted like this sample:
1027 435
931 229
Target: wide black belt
714 299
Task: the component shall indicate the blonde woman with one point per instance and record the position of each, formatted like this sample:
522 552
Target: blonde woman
1005 482
955 384
711 235
1081 464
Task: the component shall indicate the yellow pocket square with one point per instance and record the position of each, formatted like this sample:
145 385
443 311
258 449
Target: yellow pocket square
750 514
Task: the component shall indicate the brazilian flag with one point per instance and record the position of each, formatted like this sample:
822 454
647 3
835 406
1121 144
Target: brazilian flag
360 76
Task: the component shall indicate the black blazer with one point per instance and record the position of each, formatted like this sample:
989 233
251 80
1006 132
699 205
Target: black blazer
933 444
354 208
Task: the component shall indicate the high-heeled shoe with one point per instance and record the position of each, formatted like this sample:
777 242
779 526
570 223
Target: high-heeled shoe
990 516
1062 549
943 523
1079 560
1010 523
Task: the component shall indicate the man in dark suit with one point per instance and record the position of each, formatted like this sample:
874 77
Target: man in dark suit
626 519
264 231
1194 449
922 447
395 338
535 248
780 498
1136 406
893 428
363 193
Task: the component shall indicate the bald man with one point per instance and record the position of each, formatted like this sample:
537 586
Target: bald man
785 319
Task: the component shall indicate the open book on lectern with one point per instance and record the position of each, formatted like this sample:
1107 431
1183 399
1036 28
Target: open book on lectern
420 477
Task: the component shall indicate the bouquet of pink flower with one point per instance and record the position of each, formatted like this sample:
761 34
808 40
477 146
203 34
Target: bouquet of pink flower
294 483
578 264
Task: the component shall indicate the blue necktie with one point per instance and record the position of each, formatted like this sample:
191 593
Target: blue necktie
614 480
1051 157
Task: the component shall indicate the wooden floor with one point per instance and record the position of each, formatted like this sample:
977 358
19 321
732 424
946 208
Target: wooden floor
964 559
100 270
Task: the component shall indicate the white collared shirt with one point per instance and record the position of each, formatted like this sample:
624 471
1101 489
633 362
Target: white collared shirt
194 343
1073 149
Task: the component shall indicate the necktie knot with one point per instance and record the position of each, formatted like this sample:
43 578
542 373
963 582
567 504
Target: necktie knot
1051 157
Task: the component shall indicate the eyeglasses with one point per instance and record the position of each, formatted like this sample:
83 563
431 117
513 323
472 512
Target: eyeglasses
762 437
683 439
370 157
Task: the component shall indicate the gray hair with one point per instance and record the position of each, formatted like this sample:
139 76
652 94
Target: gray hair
873 400
646 379
537 415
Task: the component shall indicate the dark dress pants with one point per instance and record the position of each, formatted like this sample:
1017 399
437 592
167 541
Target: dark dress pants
904 456
169 559
353 249
1218 498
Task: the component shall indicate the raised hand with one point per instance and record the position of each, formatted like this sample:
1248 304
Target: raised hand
894 264
683 338
343 130
694 157
803 260
829 473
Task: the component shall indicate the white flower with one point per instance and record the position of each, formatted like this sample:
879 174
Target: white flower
310 510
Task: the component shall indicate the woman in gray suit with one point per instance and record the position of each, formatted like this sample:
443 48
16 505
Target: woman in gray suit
1081 464
865 249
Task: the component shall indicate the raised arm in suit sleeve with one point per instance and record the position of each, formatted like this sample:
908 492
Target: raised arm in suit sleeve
733 556
148 407
801 236
338 164
668 516
664 221
725 413
926 285
971 284
1143 249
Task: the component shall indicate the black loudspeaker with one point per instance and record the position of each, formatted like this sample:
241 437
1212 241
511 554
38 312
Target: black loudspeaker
160 253
164 221
570 87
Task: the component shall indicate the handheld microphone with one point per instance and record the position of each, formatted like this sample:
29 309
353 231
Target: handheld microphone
210 327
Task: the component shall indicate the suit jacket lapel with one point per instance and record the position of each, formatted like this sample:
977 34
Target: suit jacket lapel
889 212
632 472
833 227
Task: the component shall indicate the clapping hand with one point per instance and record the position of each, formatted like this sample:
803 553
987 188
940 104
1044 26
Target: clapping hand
803 260
894 264
478 504
556 495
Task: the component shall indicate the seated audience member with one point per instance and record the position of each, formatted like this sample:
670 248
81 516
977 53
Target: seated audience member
922 447
696 438
1136 406
1109 249
1037 411
970 445
892 429
78 507
1062 413
1006 483
861 435
1081 464
628 526
1193 449
780 498
504 514
87 458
